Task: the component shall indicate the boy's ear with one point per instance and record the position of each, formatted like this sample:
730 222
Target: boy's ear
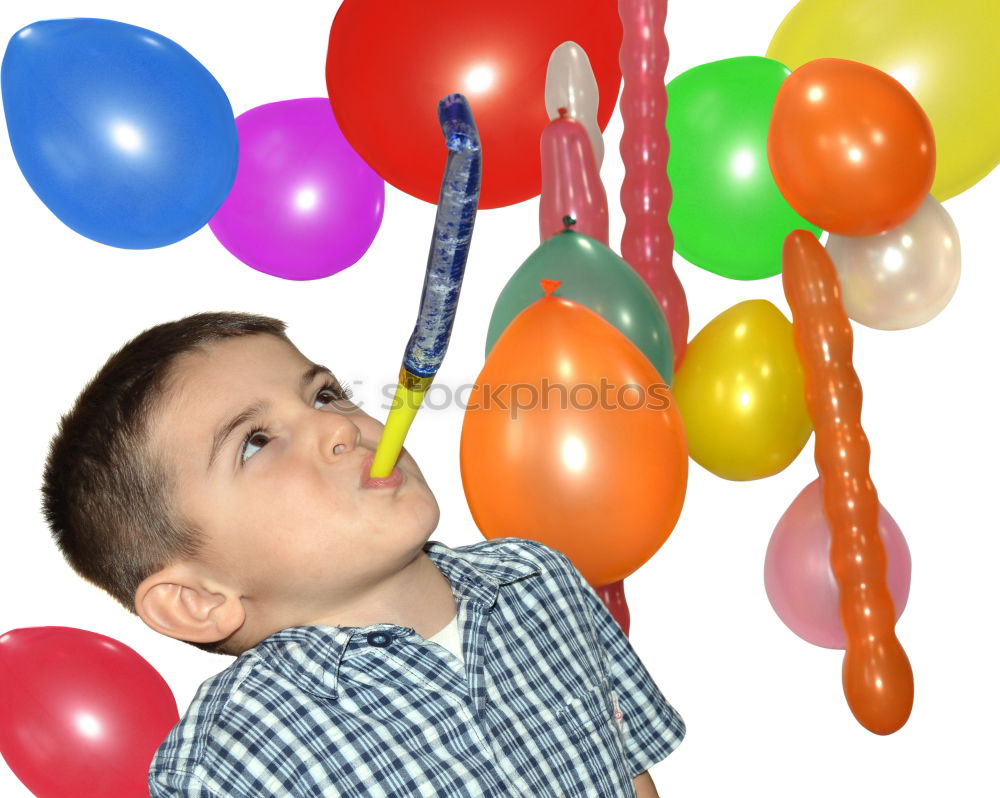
179 603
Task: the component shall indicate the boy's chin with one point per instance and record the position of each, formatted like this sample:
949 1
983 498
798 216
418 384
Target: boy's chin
424 512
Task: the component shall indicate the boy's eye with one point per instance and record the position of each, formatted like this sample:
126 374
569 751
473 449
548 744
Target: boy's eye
331 393
255 440
258 438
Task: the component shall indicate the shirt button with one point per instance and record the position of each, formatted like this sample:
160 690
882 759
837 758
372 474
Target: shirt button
380 639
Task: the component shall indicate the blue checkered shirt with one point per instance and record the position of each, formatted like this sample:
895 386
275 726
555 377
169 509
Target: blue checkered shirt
551 700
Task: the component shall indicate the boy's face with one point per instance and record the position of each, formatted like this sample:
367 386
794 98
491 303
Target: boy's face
281 501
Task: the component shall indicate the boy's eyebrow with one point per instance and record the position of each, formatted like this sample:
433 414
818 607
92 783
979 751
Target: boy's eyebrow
258 408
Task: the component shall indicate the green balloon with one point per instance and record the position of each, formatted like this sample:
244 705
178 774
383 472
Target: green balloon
595 277
728 215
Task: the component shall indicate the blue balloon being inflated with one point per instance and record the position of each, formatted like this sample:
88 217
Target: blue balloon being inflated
123 135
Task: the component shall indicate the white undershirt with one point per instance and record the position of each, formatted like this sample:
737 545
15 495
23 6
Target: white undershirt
450 638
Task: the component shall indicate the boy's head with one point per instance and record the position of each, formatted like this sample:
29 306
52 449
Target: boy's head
210 479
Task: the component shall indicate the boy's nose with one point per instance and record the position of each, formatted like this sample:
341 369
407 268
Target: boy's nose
341 435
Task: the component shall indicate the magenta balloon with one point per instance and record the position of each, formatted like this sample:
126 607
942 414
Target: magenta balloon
80 713
799 580
571 182
304 204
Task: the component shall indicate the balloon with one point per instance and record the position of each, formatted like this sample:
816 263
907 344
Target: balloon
571 184
571 438
797 575
304 204
903 277
613 596
118 130
945 54
877 677
728 216
596 278
82 713
849 147
741 393
390 61
570 84
647 242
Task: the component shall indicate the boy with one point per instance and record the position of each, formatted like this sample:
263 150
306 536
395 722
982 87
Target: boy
214 481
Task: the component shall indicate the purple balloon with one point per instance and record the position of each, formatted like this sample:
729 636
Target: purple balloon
799 580
304 204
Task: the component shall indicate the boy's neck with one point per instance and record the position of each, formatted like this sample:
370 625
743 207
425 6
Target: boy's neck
418 596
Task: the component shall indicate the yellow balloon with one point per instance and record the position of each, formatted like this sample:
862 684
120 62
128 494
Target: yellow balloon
741 393
947 54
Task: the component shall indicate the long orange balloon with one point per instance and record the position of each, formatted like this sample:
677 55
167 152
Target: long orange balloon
878 680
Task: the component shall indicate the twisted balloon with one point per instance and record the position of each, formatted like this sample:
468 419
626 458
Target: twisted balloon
647 243
878 680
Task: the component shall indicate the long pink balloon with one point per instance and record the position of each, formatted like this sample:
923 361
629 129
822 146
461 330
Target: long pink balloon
571 183
647 243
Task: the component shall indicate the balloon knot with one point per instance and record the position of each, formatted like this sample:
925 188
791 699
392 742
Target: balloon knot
562 113
568 222
548 286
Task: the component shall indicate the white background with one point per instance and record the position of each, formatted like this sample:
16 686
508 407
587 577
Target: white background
765 710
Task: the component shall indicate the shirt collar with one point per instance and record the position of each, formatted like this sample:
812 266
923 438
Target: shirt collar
310 656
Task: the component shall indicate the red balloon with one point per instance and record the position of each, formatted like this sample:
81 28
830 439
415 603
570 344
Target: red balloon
613 596
390 61
81 714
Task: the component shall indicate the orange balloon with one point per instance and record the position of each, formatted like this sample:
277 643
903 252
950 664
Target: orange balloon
849 147
878 680
571 438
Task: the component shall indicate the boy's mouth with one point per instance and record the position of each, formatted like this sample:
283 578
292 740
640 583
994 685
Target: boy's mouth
394 480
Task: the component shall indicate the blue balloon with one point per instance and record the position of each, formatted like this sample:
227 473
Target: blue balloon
124 135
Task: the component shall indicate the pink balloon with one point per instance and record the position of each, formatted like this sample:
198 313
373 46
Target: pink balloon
304 204
571 183
81 714
799 580
647 242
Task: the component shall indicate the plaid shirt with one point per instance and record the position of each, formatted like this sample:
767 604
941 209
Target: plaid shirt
551 700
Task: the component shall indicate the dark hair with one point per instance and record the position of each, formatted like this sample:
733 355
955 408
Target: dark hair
105 498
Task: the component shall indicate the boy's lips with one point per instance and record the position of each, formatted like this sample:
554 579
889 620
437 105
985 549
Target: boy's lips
394 480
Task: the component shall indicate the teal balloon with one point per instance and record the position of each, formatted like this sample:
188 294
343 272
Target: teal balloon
595 277
727 214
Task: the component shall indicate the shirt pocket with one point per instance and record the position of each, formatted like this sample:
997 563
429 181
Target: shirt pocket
588 718
586 710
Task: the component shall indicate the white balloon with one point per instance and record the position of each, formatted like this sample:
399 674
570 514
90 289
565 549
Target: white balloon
570 84
903 277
